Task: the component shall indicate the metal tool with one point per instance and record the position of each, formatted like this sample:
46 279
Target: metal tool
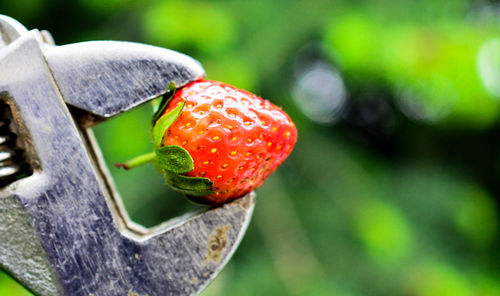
63 228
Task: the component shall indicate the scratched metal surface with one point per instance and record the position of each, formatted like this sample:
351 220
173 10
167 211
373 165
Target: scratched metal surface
10 30
147 70
20 251
79 246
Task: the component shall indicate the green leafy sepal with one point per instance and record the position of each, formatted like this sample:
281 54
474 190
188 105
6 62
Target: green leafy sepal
162 105
172 160
163 123
190 186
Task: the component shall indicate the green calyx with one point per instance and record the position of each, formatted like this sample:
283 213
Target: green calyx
162 105
192 186
163 123
173 161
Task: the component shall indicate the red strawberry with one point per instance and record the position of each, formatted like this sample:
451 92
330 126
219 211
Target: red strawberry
235 140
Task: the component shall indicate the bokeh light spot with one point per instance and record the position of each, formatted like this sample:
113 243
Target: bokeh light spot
437 279
488 63
385 232
320 93
476 217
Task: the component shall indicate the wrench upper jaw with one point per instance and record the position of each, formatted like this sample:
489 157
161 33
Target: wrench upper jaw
10 30
105 78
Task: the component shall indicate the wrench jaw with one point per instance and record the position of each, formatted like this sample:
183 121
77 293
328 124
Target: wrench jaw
104 78
79 237
10 30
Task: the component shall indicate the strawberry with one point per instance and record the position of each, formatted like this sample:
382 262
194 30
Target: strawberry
215 142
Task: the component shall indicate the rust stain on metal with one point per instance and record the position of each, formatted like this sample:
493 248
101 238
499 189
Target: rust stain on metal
216 244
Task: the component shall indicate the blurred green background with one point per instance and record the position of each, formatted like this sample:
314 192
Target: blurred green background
392 188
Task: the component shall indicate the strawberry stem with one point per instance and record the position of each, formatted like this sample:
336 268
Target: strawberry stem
137 161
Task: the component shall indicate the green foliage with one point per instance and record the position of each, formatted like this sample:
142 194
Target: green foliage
432 66
437 278
476 216
385 232
204 26
9 287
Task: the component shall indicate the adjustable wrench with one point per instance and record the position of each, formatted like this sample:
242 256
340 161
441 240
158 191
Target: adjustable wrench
63 227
